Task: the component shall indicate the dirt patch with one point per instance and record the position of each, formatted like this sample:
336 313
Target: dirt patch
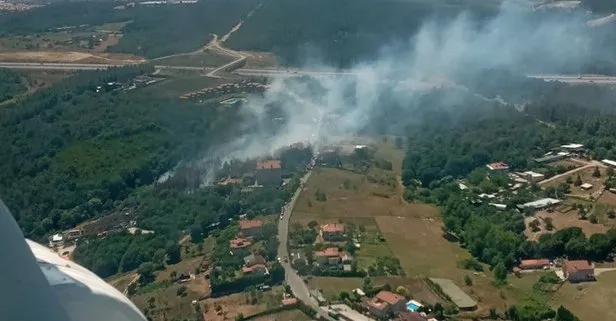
229 307
292 315
67 57
562 221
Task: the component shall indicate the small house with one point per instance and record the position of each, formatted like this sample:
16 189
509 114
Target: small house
257 269
329 256
251 228
252 259
269 173
579 271
498 167
332 232
385 304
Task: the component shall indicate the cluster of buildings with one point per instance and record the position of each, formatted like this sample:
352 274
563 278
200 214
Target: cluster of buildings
249 229
384 305
572 270
241 87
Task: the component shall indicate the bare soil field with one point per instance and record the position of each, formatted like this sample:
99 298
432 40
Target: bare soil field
68 57
165 303
561 221
586 176
590 301
291 315
258 60
230 306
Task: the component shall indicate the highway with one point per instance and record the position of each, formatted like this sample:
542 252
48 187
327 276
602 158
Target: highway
572 79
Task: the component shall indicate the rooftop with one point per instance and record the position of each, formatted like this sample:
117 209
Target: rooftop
497 166
329 252
572 146
533 174
289 301
332 228
270 164
389 297
586 186
458 297
609 162
247 224
249 269
541 203
573 266
534 262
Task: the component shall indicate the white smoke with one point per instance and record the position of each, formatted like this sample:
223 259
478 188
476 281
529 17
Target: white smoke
517 39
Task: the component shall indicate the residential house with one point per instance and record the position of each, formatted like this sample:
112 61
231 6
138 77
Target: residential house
269 173
257 269
239 243
540 204
534 264
56 240
410 316
386 304
498 167
329 256
332 232
251 228
579 271
533 177
252 259
573 147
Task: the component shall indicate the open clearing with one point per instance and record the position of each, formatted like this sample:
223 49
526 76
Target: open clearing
590 301
291 315
230 306
561 221
586 176
68 57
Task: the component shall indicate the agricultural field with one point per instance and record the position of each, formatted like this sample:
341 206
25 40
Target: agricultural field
590 301
246 303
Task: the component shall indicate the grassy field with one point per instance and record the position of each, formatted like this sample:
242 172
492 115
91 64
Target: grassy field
165 303
291 315
230 306
586 176
590 301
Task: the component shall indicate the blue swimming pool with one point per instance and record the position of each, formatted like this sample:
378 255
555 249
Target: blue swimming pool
413 305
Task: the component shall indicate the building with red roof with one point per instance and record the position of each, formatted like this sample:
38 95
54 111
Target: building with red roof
332 232
579 271
386 304
269 172
498 167
329 256
251 228
534 264
257 269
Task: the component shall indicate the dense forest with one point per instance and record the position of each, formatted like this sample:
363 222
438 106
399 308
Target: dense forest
72 152
340 32
165 30
11 84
